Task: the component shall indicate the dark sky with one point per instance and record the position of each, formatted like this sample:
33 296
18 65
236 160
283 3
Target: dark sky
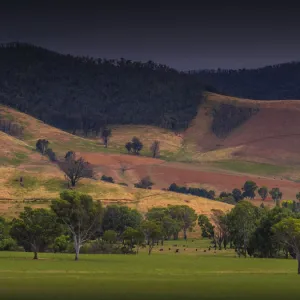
184 36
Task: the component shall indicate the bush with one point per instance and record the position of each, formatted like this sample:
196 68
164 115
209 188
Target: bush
8 244
145 183
61 243
51 154
107 179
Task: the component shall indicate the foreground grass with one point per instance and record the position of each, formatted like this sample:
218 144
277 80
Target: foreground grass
159 276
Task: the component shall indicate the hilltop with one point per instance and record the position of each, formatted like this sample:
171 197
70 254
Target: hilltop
276 82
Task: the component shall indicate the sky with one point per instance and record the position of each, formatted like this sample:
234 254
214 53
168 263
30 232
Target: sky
185 36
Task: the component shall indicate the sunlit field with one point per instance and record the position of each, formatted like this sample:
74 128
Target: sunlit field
189 274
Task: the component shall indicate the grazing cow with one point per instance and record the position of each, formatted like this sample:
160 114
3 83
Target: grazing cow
204 251
161 249
177 251
169 249
196 249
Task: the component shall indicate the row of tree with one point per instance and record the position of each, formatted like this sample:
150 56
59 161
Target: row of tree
76 217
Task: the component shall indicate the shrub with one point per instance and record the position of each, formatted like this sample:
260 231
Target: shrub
107 179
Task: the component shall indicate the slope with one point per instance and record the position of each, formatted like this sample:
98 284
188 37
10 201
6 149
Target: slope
270 135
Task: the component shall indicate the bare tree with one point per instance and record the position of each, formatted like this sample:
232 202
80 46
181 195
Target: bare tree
105 135
155 149
76 169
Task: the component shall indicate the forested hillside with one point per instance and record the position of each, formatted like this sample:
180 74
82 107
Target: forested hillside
268 83
80 93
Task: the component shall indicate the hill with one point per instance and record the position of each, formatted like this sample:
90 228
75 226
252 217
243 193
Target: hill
277 82
221 167
242 129
81 94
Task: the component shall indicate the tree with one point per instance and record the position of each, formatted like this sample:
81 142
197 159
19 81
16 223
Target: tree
263 192
136 145
242 223
42 146
249 189
207 228
298 196
76 169
61 243
51 154
276 194
144 183
35 229
134 238
185 215
107 179
118 218
70 155
128 146
153 233
221 229
105 135
110 236
237 195
288 232
80 214
155 149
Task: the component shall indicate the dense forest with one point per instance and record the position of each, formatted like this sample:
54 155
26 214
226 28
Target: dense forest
84 94
268 83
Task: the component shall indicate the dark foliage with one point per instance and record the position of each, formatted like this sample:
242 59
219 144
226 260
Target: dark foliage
268 83
82 94
76 169
192 191
42 146
136 145
226 117
51 154
11 128
145 183
107 179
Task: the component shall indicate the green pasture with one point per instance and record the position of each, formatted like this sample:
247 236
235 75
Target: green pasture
160 276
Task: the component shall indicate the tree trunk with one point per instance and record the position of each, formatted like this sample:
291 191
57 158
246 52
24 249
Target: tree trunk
77 248
184 233
298 259
35 255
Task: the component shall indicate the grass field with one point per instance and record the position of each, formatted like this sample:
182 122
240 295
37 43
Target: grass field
159 276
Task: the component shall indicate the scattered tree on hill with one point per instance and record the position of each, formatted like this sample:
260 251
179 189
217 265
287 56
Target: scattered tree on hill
42 146
155 149
144 183
51 154
107 179
136 145
105 135
288 232
249 189
128 146
70 155
80 214
35 229
207 229
237 195
76 169
263 192
276 194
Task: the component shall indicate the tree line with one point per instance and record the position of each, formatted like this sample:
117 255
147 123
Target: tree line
76 223
255 231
